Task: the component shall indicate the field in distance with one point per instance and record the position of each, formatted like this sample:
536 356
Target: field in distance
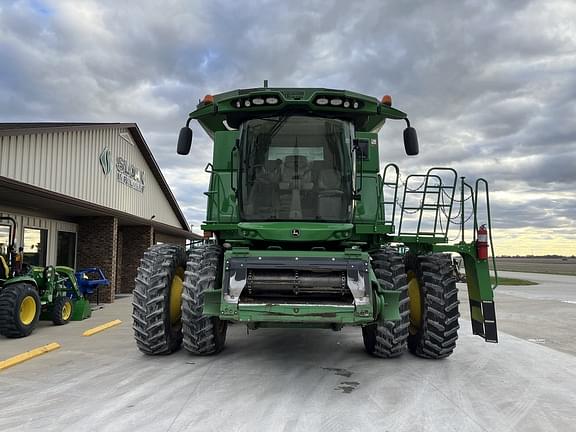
561 266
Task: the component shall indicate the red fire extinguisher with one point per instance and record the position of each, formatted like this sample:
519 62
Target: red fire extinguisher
482 243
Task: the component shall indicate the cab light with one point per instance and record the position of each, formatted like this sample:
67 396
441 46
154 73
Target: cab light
346 104
336 102
247 103
322 101
272 100
258 101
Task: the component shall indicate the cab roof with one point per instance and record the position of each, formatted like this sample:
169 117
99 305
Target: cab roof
226 111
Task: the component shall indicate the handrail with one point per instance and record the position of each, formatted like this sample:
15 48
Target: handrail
219 186
423 202
425 189
453 188
407 190
386 183
488 214
472 197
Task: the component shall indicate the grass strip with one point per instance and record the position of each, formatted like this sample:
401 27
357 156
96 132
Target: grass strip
504 281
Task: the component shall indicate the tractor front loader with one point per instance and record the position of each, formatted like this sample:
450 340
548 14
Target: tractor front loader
38 293
305 230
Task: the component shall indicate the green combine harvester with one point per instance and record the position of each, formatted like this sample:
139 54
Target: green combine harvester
305 230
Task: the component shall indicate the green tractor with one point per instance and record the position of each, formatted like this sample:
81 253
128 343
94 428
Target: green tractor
28 294
306 230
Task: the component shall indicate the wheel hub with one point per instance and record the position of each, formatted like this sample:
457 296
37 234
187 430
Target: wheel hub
66 311
27 310
176 296
415 303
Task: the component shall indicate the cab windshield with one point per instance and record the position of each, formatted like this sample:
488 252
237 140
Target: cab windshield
295 168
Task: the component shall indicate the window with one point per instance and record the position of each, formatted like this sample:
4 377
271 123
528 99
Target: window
66 249
310 153
35 246
4 239
295 168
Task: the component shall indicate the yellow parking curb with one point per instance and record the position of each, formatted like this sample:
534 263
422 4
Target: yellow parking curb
101 328
20 358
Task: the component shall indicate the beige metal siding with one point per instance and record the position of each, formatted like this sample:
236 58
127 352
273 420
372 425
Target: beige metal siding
68 163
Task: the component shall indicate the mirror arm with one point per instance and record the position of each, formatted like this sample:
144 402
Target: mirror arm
361 174
234 188
356 193
407 122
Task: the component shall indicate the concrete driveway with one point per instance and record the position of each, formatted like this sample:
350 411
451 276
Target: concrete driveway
283 380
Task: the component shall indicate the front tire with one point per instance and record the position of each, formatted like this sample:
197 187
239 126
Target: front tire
388 339
203 335
157 300
433 305
19 310
62 310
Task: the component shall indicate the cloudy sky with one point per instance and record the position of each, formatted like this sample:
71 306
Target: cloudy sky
490 85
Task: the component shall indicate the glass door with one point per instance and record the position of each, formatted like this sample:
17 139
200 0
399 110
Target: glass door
35 242
66 249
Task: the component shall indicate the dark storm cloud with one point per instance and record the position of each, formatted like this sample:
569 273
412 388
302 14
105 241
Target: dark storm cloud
540 214
490 85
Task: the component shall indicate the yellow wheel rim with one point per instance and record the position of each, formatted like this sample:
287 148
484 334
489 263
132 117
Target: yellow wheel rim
415 303
27 310
176 296
66 311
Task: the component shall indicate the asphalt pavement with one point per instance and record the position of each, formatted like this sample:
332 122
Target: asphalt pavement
294 380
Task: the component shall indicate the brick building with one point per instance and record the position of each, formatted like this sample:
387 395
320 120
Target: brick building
85 195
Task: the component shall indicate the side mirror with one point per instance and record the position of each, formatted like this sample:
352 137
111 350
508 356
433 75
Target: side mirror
411 141
184 141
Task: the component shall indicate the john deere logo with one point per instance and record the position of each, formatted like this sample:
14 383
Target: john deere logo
295 232
105 161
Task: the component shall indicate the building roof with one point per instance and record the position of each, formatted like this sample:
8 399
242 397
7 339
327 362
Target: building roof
50 125
44 127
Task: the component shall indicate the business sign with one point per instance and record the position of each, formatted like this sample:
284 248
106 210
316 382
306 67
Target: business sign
126 173
129 174
105 161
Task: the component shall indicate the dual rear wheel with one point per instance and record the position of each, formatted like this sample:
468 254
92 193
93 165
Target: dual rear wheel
169 297
428 325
